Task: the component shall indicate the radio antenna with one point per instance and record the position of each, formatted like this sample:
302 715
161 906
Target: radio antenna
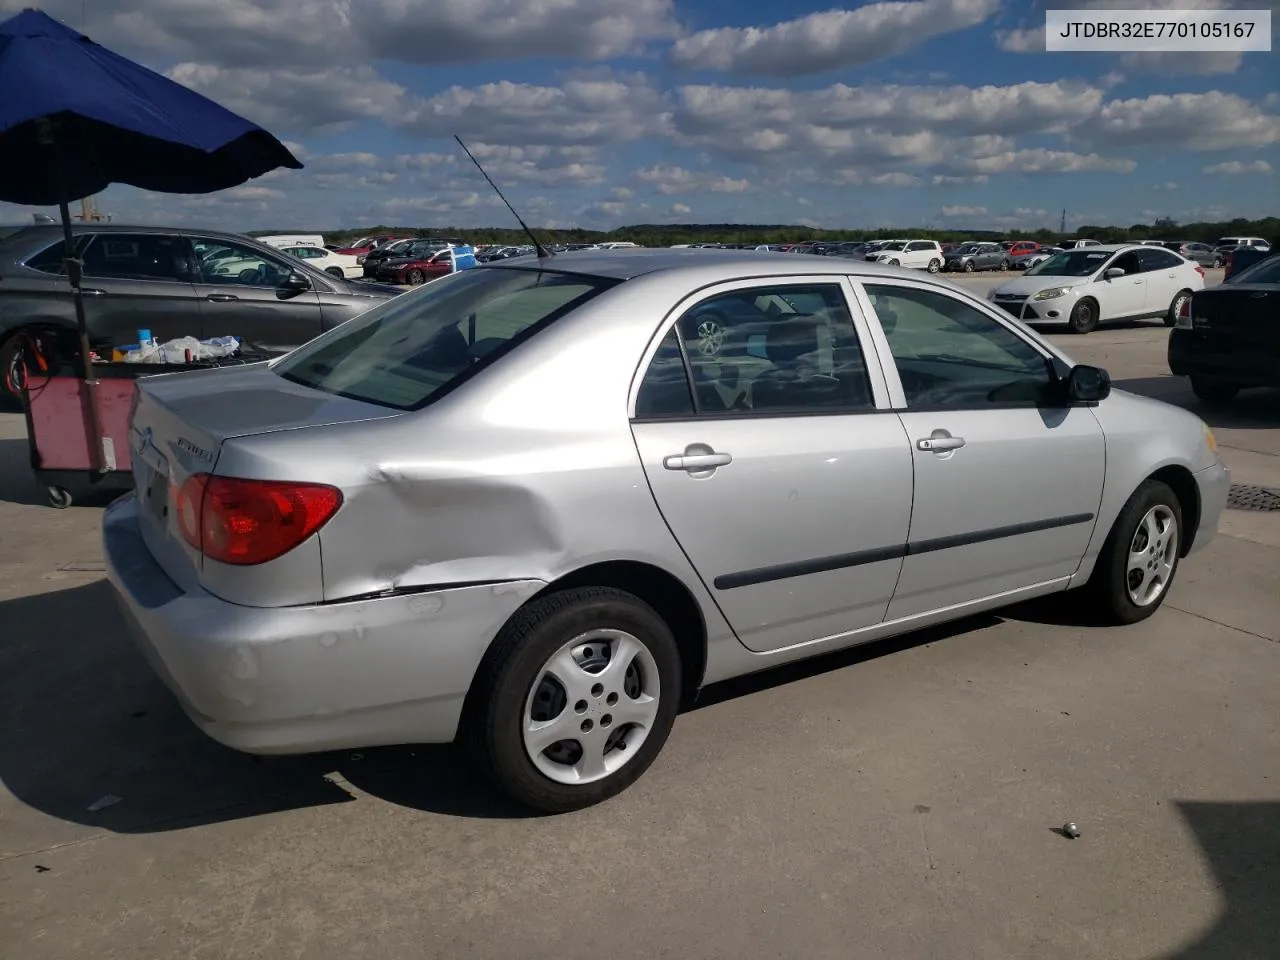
542 251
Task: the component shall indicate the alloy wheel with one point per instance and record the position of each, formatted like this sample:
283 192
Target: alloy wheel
1153 552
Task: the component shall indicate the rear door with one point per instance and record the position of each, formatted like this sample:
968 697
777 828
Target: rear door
1007 485
139 281
242 293
1164 271
782 473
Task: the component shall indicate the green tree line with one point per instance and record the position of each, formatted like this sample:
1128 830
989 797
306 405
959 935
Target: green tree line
666 235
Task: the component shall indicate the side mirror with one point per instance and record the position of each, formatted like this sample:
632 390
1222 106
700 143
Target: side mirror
1087 384
1113 272
296 281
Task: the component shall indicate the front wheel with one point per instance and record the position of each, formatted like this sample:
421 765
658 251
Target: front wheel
335 272
415 278
1084 316
935 266
1004 266
895 263
1140 556
1217 263
968 266
574 699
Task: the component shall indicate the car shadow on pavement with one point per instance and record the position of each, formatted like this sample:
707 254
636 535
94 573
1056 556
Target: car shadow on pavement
83 717
1241 844
1257 409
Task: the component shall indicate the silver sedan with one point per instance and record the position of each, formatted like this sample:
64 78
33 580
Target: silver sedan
536 506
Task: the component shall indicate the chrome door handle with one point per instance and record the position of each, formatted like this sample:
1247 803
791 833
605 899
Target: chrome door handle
697 461
92 292
936 444
221 297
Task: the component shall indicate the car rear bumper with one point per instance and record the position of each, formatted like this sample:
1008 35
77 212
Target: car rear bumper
361 673
1192 354
1213 483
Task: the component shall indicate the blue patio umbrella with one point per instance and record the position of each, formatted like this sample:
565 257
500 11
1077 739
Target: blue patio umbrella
75 117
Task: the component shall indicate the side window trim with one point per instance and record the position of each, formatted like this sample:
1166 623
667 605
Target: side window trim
884 354
880 390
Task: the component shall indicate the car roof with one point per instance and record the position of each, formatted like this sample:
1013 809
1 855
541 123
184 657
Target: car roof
50 232
706 266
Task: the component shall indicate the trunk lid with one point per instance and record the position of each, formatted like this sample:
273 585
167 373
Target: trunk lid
179 424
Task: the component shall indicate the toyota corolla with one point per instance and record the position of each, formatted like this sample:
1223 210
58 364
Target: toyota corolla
535 506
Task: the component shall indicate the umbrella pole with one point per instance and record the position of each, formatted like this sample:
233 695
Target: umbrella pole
75 274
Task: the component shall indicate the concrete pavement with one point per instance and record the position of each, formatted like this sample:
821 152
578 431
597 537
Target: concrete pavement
897 801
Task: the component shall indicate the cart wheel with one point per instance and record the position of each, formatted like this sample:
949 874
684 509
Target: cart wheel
59 497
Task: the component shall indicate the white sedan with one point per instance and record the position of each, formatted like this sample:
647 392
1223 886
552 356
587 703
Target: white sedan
341 265
1098 284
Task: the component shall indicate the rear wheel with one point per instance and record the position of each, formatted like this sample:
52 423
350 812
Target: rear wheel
1004 266
895 263
1140 556
968 266
415 278
574 699
59 497
1171 317
1213 391
935 265
1084 316
1217 263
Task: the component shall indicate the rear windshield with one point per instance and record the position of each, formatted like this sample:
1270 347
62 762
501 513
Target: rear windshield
1264 271
418 346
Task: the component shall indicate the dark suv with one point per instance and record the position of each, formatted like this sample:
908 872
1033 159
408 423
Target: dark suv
175 283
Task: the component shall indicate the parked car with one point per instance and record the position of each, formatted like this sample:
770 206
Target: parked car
1227 338
365 245
1027 261
369 262
173 282
1098 284
1078 244
969 257
393 544
916 254
1242 257
337 265
1021 248
850 249
1200 253
422 261
1230 243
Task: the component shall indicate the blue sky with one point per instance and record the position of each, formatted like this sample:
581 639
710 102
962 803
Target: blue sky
598 113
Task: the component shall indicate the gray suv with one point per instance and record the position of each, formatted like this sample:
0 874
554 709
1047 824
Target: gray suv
976 256
175 283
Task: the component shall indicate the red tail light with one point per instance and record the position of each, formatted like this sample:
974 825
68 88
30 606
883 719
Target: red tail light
246 522
1184 308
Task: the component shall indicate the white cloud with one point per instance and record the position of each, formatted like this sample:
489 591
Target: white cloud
962 211
681 208
676 180
829 40
1239 166
1195 121
319 33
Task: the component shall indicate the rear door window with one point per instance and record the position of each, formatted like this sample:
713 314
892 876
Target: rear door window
414 348
139 256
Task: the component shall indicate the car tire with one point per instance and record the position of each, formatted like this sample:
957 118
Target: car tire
1171 317
1214 391
415 278
1084 316
1139 558
968 266
935 265
542 668
1217 263
336 272
1004 266
894 263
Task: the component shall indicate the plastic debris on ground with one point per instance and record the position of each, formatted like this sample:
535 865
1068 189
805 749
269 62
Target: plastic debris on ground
182 350
109 800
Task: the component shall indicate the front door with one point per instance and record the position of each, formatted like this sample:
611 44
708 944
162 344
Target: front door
242 294
785 483
1124 296
135 282
1007 482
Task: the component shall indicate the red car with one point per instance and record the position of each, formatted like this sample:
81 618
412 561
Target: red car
365 244
420 264
1022 248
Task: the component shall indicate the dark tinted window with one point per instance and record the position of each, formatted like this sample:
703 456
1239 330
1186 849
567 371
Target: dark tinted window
1264 271
949 354
49 260
414 347
1153 258
775 349
1128 262
664 391
138 256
